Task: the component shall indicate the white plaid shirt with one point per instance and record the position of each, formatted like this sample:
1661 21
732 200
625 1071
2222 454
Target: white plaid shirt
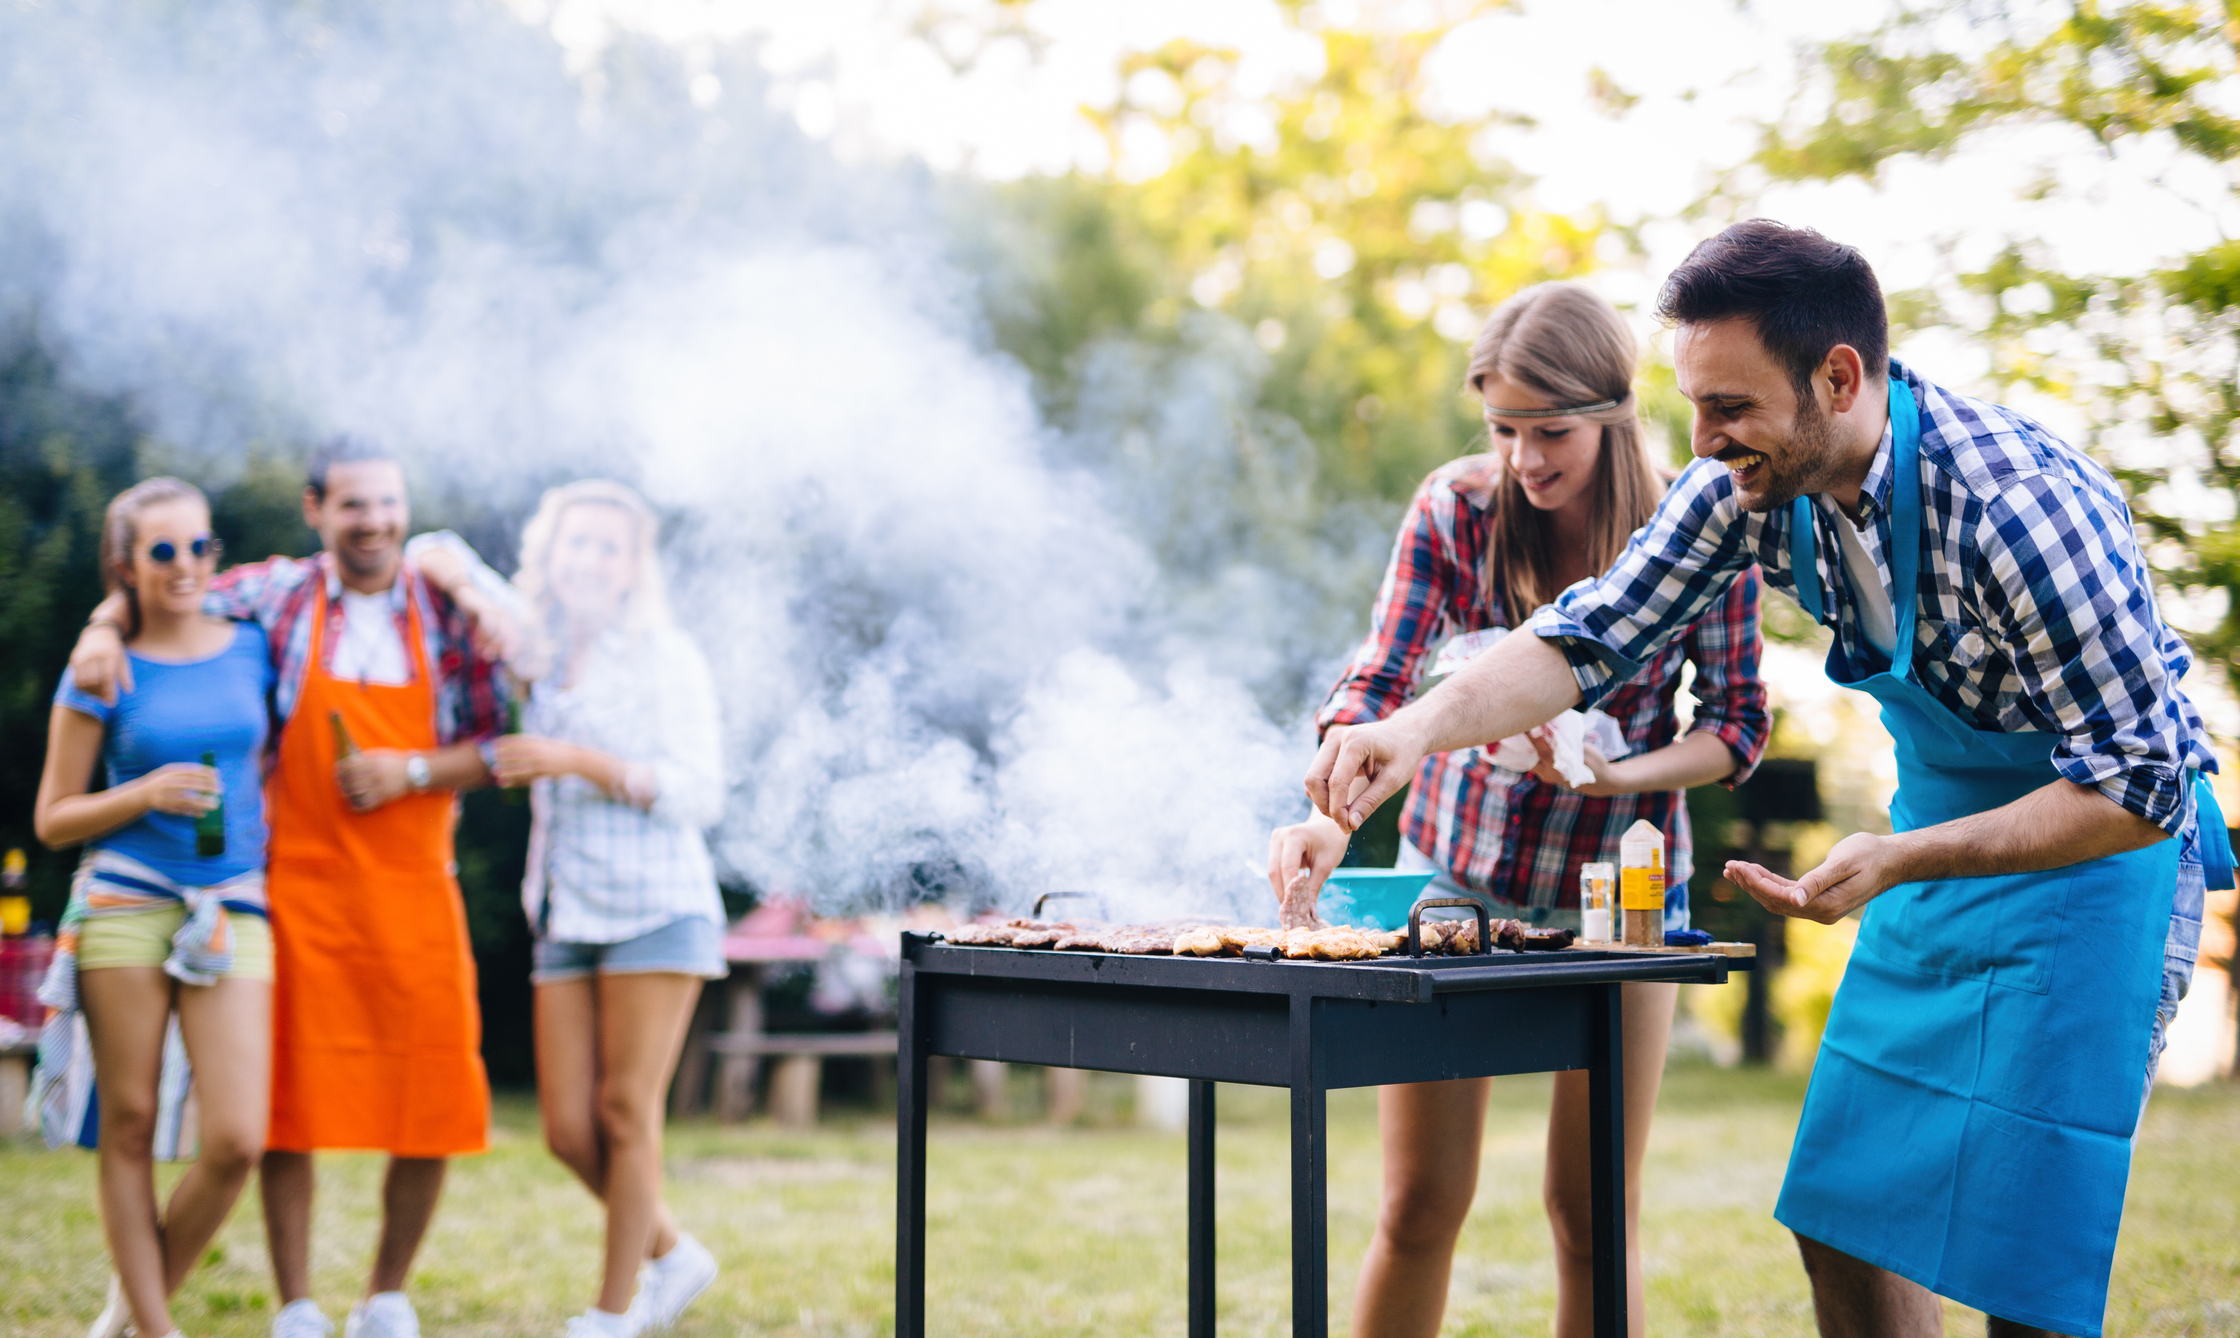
604 871
2037 609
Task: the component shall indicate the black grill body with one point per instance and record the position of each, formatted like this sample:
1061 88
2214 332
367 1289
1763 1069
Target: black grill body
1307 1026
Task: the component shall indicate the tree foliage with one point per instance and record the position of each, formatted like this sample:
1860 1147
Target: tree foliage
1357 232
2151 358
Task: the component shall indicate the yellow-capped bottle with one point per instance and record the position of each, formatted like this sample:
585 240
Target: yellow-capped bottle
15 903
1641 885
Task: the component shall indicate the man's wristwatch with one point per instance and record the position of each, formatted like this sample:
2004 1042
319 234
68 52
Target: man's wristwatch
416 772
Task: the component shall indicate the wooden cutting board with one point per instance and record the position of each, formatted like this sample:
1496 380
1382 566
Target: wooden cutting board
1721 949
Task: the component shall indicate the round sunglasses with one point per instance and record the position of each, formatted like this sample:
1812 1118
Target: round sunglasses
163 552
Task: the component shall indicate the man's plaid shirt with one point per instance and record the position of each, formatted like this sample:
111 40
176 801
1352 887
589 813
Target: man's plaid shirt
1499 832
278 595
2037 610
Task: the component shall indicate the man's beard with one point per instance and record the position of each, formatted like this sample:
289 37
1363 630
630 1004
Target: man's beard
359 566
1803 461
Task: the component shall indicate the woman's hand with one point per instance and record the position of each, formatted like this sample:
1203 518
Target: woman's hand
1607 778
523 758
182 788
1314 848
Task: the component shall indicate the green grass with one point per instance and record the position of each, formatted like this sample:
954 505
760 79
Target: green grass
1080 1231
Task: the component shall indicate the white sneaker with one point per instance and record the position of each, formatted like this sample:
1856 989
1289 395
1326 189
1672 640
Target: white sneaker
116 1313
670 1283
383 1315
301 1319
597 1323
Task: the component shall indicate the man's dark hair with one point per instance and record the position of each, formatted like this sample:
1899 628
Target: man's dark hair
341 449
1804 293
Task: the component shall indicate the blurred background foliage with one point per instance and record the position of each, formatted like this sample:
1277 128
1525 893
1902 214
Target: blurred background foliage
1344 238
2152 360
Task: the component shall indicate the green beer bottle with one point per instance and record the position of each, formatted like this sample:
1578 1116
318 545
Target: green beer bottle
210 828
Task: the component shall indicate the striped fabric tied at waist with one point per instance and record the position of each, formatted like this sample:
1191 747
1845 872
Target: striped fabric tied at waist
110 884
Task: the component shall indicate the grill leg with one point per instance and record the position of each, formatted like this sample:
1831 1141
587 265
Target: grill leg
910 1167
1201 1209
1310 1235
1606 1155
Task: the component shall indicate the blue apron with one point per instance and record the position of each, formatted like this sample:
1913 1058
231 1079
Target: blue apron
1969 1120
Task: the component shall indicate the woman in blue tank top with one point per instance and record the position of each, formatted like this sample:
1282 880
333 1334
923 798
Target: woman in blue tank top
167 910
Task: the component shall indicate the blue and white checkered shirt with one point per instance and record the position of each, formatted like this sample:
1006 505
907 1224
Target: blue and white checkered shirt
2037 609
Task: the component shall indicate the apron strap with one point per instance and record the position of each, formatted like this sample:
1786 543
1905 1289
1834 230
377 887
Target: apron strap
1905 530
1905 523
1804 565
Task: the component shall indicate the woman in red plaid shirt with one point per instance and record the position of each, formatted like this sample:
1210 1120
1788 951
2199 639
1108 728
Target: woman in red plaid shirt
1488 539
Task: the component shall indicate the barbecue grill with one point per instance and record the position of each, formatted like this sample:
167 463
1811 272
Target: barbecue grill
1307 1025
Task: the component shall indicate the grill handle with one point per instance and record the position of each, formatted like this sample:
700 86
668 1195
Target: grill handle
1065 896
1471 904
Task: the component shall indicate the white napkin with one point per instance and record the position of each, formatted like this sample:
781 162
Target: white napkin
1570 732
1571 729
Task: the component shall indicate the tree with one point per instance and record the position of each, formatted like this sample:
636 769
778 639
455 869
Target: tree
2153 358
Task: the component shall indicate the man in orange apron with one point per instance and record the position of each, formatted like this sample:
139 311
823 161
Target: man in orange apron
383 703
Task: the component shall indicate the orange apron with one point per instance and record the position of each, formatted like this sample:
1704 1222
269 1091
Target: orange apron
377 1034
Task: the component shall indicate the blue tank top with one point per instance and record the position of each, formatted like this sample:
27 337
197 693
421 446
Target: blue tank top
176 712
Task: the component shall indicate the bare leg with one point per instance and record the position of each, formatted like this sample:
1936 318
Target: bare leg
1855 1299
127 1008
567 1034
1431 1133
642 1020
285 1182
409 1193
1648 1023
228 1031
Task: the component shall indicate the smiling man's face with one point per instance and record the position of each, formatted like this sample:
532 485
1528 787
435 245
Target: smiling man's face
1777 444
362 520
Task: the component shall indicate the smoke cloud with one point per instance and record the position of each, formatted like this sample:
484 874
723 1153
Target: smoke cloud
960 646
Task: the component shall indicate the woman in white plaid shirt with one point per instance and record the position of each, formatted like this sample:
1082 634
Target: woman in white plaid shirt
622 746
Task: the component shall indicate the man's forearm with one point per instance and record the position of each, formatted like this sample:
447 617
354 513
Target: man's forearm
1520 683
457 767
2059 824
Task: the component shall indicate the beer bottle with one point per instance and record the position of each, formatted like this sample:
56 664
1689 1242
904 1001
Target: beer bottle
210 827
344 745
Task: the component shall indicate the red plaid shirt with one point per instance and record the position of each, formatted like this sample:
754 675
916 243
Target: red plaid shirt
278 595
1495 831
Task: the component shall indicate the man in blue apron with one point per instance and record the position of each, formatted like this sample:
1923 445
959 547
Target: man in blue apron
2032 922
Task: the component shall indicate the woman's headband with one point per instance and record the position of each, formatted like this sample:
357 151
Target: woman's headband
1601 407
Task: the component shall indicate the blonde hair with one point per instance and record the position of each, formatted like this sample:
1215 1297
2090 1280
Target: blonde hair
120 536
645 606
1570 347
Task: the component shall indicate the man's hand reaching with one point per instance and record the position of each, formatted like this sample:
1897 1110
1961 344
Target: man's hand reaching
1361 766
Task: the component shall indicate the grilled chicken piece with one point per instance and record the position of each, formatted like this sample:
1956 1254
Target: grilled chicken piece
1204 941
1033 935
1299 904
1545 940
1082 939
1142 940
988 936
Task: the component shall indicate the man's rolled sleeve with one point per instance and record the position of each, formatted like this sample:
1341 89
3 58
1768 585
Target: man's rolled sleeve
1669 575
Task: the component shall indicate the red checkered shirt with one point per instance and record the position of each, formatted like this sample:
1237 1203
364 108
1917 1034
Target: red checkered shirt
1509 835
278 595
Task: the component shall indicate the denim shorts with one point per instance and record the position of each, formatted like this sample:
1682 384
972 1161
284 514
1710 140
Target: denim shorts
2179 952
692 946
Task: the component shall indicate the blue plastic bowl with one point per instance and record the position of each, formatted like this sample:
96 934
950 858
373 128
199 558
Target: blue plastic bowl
1371 898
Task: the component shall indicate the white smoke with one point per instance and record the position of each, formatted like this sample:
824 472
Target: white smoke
958 645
